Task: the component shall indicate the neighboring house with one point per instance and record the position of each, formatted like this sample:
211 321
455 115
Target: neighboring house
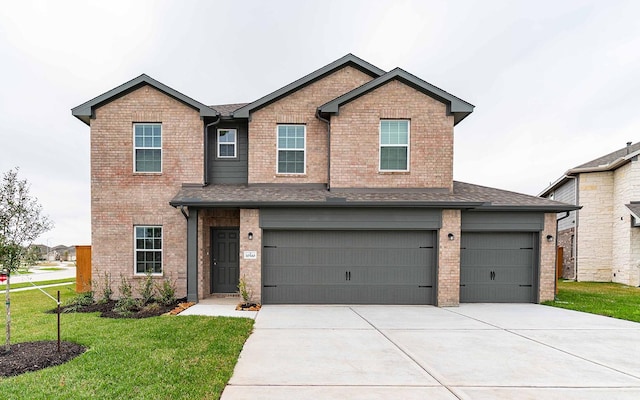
337 188
601 241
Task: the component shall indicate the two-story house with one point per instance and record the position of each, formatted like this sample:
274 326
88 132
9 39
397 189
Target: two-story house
601 241
337 188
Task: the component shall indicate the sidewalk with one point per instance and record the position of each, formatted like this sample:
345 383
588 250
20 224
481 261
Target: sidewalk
40 273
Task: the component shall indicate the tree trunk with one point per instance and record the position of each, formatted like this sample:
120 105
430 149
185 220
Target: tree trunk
7 346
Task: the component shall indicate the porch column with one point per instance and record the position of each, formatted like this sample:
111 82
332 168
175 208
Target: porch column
192 255
449 259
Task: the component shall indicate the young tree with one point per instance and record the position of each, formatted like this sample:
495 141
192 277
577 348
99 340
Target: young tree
21 222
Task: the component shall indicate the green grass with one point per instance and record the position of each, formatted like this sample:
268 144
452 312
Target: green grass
609 299
167 357
51 269
38 283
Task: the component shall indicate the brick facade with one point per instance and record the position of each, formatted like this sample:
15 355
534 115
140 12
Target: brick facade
121 199
449 260
251 270
297 108
566 240
355 138
547 259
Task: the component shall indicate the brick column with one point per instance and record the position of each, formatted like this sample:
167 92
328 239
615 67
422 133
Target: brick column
251 269
449 260
548 259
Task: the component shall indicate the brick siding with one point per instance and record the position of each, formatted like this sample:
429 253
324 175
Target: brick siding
548 259
449 260
297 108
121 198
355 140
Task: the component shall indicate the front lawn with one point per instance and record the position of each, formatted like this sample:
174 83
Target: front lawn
609 299
167 357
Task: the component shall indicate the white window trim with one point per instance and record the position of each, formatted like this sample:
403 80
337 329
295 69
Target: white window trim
304 150
135 251
147 148
235 143
408 146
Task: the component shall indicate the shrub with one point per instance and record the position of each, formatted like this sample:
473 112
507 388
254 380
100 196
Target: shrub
126 303
146 290
245 293
79 301
166 292
105 287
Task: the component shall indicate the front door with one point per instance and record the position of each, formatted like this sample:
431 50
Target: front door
225 263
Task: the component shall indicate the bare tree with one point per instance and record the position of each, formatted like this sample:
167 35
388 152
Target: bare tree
21 222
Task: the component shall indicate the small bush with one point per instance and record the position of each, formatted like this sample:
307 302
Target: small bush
106 289
146 290
79 301
245 293
126 304
166 292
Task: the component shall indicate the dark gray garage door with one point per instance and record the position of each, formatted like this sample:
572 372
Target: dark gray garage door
498 267
348 267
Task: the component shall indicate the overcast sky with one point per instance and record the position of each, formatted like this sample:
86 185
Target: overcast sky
555 83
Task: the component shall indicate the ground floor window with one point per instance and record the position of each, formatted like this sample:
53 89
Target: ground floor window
148 252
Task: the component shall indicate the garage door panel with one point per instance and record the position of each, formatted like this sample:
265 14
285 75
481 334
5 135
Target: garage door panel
349 294
497 267
355 267
310 257
496 293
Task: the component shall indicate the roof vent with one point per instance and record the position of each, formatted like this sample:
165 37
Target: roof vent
628 147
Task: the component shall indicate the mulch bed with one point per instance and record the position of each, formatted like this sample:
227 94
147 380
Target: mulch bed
34 356
106 309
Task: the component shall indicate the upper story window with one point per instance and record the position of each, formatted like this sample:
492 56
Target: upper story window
394 145
148 254
147 151
291 149
227 143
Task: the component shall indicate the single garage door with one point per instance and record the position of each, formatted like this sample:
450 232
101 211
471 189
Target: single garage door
348 267
498 267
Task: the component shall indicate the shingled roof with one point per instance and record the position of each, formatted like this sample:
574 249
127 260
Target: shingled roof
608 159
464 196
608 162
226 110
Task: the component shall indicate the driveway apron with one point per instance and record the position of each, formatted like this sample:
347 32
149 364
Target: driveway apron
475 351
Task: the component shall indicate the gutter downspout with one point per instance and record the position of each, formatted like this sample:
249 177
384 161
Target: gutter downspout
206 149
328 122
555 281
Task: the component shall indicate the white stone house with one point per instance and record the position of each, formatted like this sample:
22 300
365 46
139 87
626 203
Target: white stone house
601 241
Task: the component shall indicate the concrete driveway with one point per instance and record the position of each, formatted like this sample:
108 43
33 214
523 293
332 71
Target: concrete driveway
476 351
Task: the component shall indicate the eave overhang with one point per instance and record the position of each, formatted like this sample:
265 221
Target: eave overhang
457 107
86 111
348 60
573 172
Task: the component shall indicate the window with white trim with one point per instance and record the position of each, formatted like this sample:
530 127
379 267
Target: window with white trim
291 149
394 145
147 147
227 143
148 249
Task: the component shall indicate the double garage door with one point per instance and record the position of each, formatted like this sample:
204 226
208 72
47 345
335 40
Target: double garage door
348 267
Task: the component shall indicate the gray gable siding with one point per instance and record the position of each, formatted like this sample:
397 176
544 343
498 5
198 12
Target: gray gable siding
566 194
224 170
